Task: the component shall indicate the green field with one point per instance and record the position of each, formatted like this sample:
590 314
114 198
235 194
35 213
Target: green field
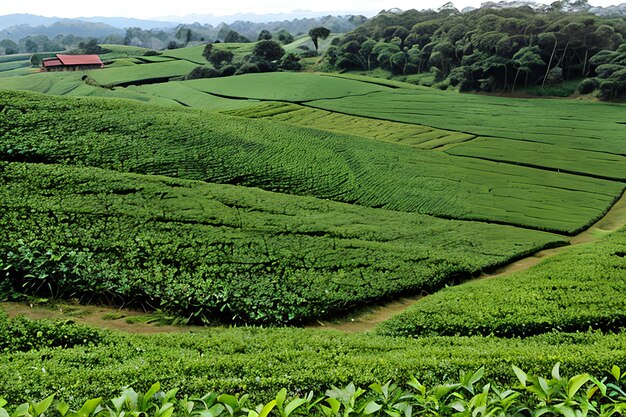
262 361
568 123
287 198
420 137
184 94
293 87
543 155
263 154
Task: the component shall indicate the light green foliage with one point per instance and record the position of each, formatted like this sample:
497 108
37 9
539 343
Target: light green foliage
263 361
285 86
184 94
599 164
557 396
128 74
15 58
8 66
574 291
567 123
208 251
217 148
421 137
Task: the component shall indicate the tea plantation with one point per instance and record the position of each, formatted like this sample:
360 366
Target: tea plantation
294 199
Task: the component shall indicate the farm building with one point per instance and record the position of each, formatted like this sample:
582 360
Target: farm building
72 63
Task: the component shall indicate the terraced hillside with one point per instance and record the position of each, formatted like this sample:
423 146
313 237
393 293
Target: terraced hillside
242 254
188 144
309 137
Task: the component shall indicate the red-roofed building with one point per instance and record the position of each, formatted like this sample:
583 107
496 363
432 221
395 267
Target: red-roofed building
72 63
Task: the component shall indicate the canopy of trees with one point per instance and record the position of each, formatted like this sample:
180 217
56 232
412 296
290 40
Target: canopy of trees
490 49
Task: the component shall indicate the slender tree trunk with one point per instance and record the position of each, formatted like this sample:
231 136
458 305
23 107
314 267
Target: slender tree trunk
549 62
515 81
584 74
506 76
526 82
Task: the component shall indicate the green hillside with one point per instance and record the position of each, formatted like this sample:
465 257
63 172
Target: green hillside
299 161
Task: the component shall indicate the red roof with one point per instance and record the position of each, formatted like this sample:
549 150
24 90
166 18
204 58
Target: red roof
52 62
79 59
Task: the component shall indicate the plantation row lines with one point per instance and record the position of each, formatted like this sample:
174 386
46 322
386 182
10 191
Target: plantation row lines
217 148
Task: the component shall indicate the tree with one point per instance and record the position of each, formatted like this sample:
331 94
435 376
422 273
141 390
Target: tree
285 37
91 47
31 46
206 52
265 35
290 62
524 60
9 47
234 37
268 50
220 57
316 34
202 72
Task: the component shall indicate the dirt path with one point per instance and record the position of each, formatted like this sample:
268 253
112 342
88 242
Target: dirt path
614 220
103 317
366 319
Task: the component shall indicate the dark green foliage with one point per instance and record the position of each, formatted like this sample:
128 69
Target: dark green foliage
21 334
284 37
202 72
207 251
206 52
575 291
318 33
290 62
579 394
220 57
505 46
262 361
268 50
264 35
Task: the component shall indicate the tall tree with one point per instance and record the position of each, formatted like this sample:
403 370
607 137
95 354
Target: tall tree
318 33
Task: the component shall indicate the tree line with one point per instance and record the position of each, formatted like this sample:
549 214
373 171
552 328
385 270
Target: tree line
491 49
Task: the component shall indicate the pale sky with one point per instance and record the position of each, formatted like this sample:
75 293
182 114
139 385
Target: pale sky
147 9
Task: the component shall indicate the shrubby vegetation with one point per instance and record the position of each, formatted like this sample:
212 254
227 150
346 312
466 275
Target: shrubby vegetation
208 252
262 361
574 291
559 395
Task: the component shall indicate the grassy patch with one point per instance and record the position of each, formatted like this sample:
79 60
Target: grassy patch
285 86
420 137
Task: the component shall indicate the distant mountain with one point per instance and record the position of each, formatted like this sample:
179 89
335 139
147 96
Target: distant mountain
610 11
61 27
9 20
250 17
124 22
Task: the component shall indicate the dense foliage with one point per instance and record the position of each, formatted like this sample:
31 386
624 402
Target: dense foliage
574 291
536 395
262 361
207 251
488 49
